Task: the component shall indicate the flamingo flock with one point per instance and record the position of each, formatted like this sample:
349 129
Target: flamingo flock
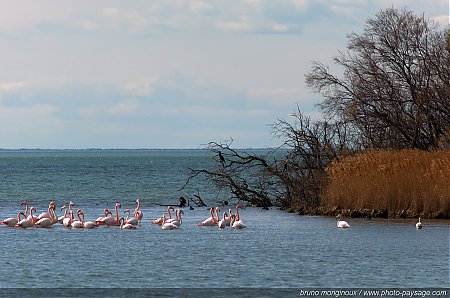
27 218
228 220
75 219
48 219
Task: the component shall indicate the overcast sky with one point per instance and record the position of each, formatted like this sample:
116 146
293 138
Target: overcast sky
168 73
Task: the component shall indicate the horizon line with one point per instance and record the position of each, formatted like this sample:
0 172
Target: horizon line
118 149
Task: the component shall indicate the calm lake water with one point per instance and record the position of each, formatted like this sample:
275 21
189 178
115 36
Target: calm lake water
276 250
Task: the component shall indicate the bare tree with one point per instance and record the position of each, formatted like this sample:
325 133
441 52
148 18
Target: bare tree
290 176
311 147
395 87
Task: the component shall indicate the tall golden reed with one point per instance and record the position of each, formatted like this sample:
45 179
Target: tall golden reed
408 182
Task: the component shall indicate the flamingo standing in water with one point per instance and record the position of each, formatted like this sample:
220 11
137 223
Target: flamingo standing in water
67 222
48 214
137 212
61 218
222 222
159 220
111 221
26 211
12 221
78 224
106 212
47 222
87 224
167 225
176 221
210 221
419 225
125 225
131 220
28 221
236 224
341 223
236 221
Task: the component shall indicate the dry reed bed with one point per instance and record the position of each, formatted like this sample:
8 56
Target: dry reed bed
406 183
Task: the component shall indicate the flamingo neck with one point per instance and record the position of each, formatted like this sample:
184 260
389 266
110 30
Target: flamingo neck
53 215
32 218
117 213
26 208
237 213
168 211
217 215
19 214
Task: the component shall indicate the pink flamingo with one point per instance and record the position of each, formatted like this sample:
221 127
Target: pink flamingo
178 220
125 225
222 222
47 222
236 221
49 213
131 220
111 221
106 212
211 221
12 221
167 225
61 218
67 222
26 211
137 212
87 224
27 222
78 224
159 221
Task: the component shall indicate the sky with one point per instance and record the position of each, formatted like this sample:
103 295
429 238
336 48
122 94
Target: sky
168 73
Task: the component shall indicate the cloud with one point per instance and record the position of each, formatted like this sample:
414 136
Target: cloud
201 7
141 88
274 97
9 86
110 11
123 109
301 4
242 25
443 20
88 25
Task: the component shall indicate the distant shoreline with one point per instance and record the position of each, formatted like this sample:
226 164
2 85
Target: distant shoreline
116 149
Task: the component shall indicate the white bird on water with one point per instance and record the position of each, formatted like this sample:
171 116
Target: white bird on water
341 223
419 225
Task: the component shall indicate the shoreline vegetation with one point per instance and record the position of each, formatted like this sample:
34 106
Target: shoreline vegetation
387 184
382 147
